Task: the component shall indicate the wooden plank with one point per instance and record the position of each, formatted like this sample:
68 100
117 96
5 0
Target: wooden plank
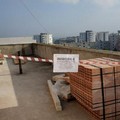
55 98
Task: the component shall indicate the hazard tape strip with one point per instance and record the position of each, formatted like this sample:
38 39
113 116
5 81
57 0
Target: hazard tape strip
26 58
48 60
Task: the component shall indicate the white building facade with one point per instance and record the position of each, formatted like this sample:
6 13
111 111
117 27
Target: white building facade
102 41
46 38
88 36
102 36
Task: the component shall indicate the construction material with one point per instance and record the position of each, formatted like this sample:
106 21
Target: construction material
58 77
96 86
67 79
56 100
62 89
65 92
61 77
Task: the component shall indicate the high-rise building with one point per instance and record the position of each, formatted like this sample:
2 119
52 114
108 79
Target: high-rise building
82 37
103 45
113 40
88 36
117 45
118 32
102 36
46 38
102 40
37 38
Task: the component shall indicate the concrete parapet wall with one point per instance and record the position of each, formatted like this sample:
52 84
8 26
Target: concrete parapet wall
25 49
17 40
47 51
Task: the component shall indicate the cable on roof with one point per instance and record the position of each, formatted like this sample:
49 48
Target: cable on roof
37 20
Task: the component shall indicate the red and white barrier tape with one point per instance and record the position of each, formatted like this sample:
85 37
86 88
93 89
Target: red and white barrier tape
26 58
48 60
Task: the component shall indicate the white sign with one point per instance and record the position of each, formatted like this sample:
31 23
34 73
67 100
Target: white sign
65 62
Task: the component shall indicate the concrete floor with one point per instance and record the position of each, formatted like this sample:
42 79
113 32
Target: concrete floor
33 97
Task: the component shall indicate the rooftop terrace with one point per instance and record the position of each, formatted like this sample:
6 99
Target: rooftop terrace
29 92
30 95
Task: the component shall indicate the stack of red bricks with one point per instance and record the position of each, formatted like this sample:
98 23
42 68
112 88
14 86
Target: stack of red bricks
96 86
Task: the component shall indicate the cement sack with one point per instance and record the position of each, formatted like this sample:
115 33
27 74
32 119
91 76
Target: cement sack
62 89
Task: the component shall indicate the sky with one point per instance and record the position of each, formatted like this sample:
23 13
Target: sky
61 18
